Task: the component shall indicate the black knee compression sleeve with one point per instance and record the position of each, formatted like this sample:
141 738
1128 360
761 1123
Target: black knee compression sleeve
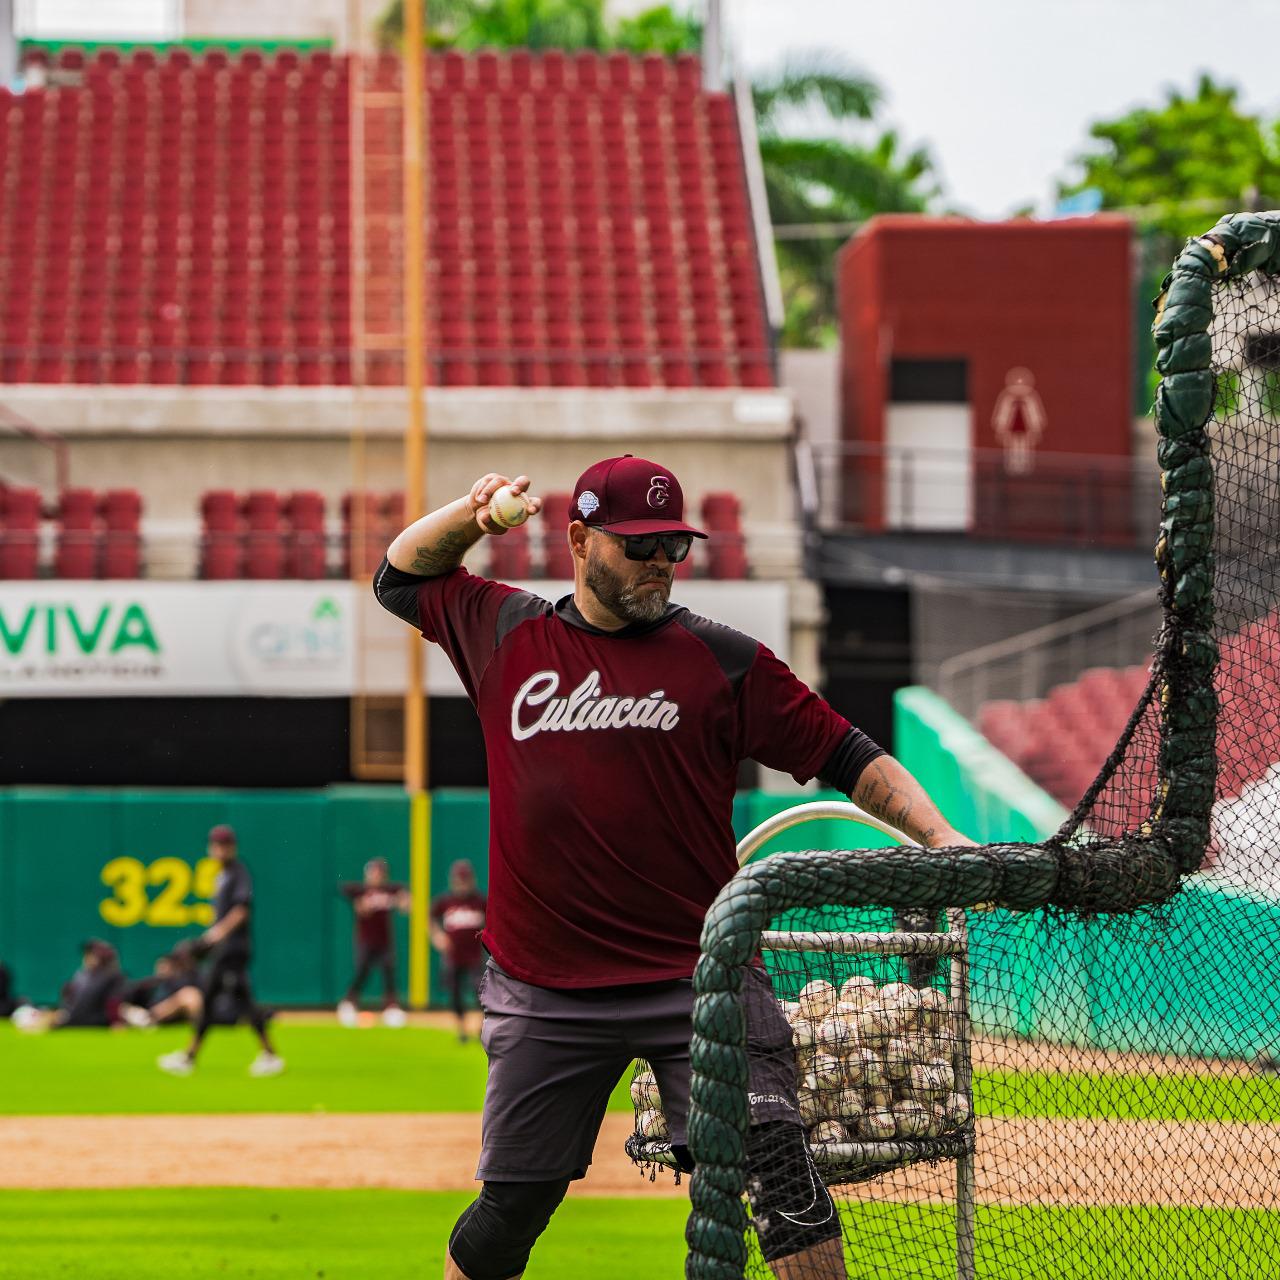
493 1237
792 1208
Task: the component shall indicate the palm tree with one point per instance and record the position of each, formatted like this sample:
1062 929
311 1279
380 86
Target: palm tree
828 179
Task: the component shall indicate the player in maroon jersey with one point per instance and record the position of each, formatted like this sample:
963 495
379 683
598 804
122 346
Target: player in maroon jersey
456 920
614 724
374 900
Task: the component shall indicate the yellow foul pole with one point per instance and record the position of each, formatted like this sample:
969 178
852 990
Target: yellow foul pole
415 458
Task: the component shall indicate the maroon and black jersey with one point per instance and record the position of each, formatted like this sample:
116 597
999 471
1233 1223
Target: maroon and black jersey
374 905
461 916
613 761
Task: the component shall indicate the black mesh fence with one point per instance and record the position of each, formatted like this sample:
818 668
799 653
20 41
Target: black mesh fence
1078 1074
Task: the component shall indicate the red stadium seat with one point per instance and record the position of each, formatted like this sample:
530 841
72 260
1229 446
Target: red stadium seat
264 556
19 553
121 555
120 510
220 511
77 509
510 556
19 509
304 509
77 553
263 512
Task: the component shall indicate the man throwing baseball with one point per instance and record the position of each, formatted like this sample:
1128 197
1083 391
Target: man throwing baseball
614 725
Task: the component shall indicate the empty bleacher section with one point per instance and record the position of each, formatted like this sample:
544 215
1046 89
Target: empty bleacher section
179 220
85 534
266 535
1062 740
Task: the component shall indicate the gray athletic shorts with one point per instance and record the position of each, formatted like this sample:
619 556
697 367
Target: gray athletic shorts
555 1056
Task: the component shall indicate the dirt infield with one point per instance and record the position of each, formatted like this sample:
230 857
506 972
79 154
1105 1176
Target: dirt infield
1021 1161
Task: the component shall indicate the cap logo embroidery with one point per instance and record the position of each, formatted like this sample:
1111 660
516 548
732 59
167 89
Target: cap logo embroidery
588 503
659 492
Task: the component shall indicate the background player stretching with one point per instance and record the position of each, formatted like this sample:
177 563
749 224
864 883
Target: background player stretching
373 900
456 920
614 725
227 984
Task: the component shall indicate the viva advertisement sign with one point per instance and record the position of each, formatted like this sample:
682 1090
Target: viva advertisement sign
164 638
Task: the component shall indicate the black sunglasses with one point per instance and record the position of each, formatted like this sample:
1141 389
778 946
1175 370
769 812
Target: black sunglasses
643 546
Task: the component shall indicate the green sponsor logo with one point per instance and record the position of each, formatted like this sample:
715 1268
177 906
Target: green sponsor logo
326 608
62 630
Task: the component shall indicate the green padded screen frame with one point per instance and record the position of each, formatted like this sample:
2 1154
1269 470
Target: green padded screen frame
1085 878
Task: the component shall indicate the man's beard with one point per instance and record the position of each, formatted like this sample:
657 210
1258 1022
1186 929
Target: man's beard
623 601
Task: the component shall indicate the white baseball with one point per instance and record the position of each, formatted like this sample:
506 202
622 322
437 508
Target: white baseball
858 989
911 1119
507 508
863 1067
828 1131
817 1000
644 1091
875 1024
937 1122
804 1034
877 1124
956 1110
926 1082
899 1055
850 1103
653 1124
811 1107
828 1071
933 1008
835 1036
878 1098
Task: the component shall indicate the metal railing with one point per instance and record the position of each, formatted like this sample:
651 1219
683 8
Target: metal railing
1065 499
1118 634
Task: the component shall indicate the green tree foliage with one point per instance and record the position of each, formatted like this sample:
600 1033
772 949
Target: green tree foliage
824 160
1181 164
1176 168
829 178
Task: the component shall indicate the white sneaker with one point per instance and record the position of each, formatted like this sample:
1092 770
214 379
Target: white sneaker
177 1063
348 1014
266 1064
135 1015
394 1016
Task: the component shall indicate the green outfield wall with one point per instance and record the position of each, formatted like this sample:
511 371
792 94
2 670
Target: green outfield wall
1072 980
130 867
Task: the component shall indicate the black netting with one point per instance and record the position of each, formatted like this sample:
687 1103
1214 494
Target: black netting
1123 1027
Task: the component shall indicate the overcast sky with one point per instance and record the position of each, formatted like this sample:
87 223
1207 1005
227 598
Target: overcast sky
1001 91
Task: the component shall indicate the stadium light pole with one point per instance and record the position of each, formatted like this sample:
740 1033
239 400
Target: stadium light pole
415 458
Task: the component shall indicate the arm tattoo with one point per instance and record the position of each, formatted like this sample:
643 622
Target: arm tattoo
878 796
445 556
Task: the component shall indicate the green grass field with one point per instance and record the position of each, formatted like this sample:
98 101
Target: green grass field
332 1068
202 1234
398 1235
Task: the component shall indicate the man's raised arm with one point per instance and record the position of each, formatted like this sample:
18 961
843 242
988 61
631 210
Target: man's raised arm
436 543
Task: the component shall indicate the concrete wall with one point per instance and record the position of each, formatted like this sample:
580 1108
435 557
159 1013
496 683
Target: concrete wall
281 19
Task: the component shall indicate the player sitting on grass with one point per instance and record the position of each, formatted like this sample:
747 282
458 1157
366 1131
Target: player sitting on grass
89 998
171 994
614 725
227 982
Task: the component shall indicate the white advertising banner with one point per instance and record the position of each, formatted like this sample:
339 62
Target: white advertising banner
305 639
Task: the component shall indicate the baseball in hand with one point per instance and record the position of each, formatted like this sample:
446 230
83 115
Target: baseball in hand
507 508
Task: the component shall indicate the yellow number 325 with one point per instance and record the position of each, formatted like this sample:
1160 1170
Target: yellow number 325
131 904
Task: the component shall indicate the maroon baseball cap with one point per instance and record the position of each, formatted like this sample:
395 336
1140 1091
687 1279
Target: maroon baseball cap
630 495
221 834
